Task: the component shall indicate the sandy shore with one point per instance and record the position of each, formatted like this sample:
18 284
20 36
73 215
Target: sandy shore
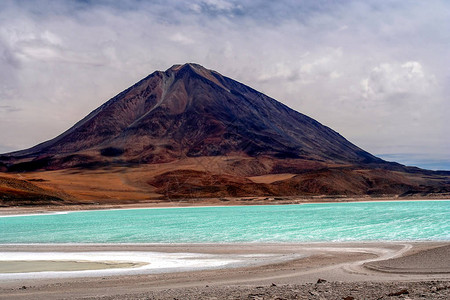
290 271
25 266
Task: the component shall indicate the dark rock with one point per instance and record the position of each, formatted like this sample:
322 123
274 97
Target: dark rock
111 151
401 292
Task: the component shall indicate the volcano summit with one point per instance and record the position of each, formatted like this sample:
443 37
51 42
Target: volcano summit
217 137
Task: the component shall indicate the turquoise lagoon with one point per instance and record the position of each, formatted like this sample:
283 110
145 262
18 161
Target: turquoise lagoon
359 221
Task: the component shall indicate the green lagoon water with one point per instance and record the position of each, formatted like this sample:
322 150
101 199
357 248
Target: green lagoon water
361 221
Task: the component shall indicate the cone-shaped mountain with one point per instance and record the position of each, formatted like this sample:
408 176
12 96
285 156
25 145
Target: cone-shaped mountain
189 111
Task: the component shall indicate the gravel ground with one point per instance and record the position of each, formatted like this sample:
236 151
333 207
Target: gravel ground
322 290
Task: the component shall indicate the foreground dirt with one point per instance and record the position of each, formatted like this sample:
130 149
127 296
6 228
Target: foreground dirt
329 271
323 290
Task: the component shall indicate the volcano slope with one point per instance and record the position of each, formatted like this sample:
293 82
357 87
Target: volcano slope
189 132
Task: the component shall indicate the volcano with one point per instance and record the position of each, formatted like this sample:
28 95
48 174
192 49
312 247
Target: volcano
189 112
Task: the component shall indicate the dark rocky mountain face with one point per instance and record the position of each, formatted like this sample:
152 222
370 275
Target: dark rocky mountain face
189 111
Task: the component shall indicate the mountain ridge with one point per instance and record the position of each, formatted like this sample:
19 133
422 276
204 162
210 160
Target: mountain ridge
165 94
192 132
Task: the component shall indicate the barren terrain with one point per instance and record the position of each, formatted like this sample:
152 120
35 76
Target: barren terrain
211 181
329 270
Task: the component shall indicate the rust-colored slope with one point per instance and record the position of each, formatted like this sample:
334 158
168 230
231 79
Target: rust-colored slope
15 191
209 178
198 184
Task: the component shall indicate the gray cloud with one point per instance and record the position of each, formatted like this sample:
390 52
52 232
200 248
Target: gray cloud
377 72
8 108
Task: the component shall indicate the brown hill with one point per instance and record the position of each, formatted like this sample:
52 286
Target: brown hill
23 192
216 136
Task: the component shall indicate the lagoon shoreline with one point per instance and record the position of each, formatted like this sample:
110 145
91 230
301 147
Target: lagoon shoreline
345 267
204 202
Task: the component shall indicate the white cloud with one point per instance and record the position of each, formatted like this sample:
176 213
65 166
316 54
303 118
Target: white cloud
388 80
220 5
182 39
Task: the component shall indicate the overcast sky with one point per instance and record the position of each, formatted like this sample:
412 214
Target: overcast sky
378 72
